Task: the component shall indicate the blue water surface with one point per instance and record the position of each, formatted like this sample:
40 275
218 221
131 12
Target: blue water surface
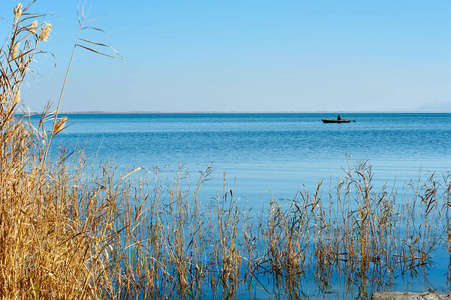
273 152
275 155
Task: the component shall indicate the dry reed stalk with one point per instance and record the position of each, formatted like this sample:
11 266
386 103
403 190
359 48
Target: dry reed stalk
52 245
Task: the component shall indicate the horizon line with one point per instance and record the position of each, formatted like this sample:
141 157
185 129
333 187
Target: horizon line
244 112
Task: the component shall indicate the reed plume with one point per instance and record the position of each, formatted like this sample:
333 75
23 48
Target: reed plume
45 32
18 12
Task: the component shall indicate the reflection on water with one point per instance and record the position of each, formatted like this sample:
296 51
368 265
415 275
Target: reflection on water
341 243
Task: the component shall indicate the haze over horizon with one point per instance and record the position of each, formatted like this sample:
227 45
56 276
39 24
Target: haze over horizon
243 56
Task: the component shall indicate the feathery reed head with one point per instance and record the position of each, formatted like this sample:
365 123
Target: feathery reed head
33 27
17 12
15 50
45 32
59 126
17 97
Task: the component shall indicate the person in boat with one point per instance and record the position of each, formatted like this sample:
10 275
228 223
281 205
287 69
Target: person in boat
339 118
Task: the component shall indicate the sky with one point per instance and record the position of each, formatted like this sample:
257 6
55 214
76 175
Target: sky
246 56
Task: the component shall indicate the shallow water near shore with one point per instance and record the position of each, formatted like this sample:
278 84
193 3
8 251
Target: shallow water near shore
276 155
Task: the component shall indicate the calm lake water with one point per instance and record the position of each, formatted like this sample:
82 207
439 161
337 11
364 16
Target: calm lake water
268 153
275 154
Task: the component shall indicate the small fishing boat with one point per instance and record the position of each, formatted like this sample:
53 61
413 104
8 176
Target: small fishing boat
336 121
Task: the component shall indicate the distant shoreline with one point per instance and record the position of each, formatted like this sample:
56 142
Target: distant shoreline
257 112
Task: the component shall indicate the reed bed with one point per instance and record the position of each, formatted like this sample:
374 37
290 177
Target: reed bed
76 230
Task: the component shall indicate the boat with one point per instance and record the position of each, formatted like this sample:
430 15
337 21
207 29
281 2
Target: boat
336 121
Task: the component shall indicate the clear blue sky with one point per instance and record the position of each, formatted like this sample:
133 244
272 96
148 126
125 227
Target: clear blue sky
241 55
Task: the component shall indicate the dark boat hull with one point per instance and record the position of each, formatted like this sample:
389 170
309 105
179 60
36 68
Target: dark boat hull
336 121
